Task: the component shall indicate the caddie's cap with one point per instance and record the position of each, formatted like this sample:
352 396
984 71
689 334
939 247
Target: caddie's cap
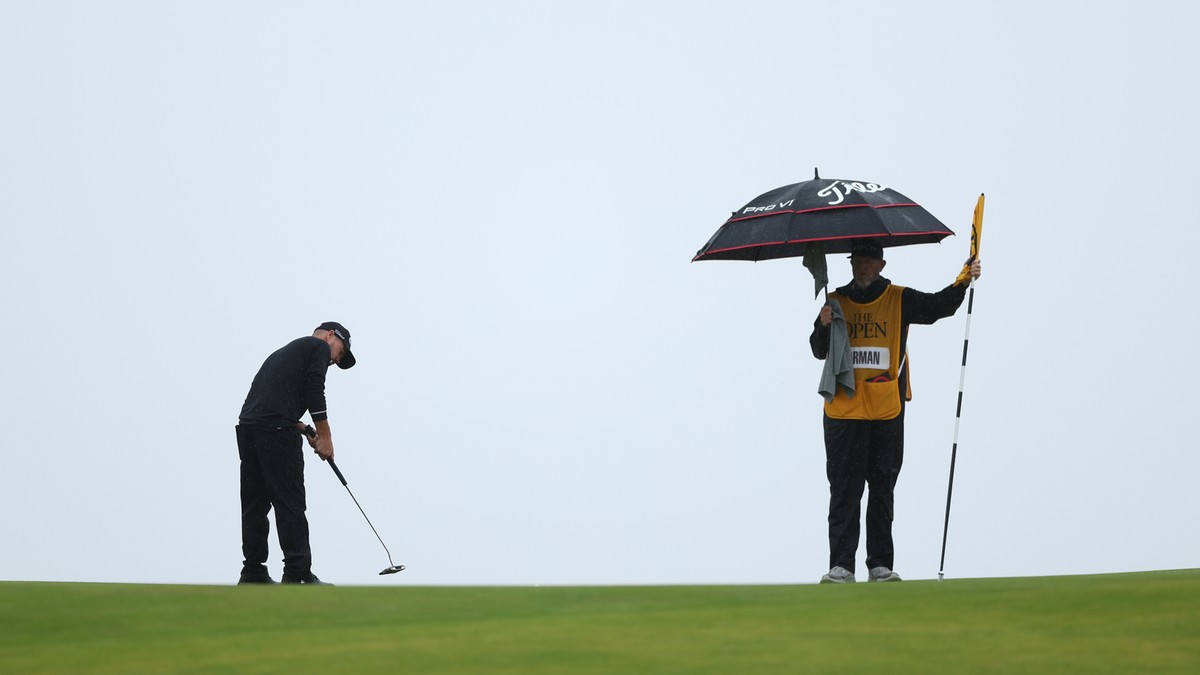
866 248
340 331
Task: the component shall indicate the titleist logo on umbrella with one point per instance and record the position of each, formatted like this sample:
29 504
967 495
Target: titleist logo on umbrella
834 189
837 190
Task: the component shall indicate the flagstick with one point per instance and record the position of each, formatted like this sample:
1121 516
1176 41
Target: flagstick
957 418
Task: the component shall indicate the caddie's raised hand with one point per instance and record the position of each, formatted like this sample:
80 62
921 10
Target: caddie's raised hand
976 269
826 315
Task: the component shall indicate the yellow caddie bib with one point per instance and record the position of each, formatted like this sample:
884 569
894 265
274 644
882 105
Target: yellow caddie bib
874 330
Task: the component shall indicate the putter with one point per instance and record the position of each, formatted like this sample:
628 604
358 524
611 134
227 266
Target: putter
312 433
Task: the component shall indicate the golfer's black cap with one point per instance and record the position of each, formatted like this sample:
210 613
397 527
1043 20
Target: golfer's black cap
344 335
866 248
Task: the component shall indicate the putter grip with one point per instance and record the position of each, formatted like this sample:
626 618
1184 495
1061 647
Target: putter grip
333 465
311 432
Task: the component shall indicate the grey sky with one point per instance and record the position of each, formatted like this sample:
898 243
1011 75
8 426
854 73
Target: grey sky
501 202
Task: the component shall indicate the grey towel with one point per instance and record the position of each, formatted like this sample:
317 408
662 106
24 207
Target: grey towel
839 364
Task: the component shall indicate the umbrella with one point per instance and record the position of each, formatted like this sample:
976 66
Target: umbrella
818 216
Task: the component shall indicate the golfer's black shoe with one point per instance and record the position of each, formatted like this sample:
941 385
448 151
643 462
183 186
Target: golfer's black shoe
254 579
311 580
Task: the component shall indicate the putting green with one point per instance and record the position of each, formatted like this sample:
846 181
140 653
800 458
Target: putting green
1121 623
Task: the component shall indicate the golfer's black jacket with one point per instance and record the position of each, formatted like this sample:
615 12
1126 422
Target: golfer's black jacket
290 382
915 307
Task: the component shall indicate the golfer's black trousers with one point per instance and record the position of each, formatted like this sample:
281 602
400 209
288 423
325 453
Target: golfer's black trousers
858 453
273 477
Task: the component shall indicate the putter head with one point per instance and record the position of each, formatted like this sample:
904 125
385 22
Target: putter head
392 570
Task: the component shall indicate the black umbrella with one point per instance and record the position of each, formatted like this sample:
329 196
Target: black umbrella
832 213
819 216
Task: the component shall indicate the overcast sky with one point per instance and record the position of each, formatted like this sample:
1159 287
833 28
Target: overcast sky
501 202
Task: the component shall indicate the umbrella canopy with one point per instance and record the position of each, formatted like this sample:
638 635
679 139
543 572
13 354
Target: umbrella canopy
826 214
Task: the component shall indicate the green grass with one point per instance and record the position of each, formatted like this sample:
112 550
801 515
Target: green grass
1122 623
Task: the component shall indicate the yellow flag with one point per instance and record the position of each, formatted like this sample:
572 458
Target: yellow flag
976 234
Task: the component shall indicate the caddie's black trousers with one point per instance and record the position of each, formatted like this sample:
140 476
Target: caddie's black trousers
273 476
859 452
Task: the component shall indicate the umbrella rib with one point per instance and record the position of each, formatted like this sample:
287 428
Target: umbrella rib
786 242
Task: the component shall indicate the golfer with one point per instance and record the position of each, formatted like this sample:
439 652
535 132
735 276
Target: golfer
290 382
864 433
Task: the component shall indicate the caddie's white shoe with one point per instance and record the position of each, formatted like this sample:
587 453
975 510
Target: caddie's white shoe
838 575
882 574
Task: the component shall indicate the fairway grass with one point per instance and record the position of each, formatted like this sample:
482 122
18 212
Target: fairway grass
1119 623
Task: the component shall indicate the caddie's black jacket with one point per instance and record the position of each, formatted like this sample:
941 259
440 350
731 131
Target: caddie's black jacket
290 382
915 307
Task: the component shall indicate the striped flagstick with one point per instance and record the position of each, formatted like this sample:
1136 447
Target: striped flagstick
976 232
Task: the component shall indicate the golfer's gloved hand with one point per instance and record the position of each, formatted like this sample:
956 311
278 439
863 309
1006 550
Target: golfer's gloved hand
310 435
322 446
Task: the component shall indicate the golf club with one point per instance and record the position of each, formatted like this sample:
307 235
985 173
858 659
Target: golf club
312 433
